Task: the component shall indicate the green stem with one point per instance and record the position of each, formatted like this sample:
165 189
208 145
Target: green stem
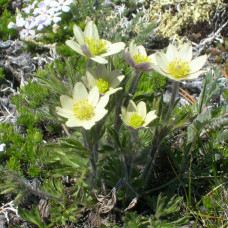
119 99
133 86
117 122
89 145
89 63
175 89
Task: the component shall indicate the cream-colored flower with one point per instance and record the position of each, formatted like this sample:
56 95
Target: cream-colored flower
178 65
83 109
104 80
90 45
136 117
137 58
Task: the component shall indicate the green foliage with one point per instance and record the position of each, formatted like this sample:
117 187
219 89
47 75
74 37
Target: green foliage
33 216
133 220
5 32
166 214
211 209
1 74
154 82
32 94
210 115
21 149
3 5
81 10
30 97
13 163
34 171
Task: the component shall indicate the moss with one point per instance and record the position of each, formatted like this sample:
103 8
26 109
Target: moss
176 15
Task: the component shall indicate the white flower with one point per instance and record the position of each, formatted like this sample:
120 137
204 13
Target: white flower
53 17
2 147
42 8
136 117
137 58
20 22
90 45
28 30
11 25
83 109
28 9
178 65
61 5
104 80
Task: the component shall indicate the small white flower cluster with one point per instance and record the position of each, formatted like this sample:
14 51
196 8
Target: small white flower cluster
39 15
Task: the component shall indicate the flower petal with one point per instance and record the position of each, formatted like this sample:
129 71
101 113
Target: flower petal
125 115
141 50
162 61
75 46
129 59
111 91
149 117
144 66
64 112
141 109
91 77
88 124
73 122
99 59
185 52
103 101
91 31
131 107
116 81
160 71
194 75
133 48
67 102
79 92
78 35
153 59
198 63
99 114
171 52
101 72
93 96
114 48
86 51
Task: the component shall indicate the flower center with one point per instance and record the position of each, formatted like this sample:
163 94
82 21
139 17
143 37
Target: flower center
102 85
178 69
141 59
83 110
97 47
136 120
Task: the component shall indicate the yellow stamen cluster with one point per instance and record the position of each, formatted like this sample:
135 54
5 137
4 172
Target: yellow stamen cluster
136 120
141 59
102 85
83 110
178 69
97 47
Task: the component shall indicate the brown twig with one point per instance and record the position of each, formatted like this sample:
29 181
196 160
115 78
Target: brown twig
66 130
187 96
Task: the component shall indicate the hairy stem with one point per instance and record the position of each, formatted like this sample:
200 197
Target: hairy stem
133 86
175 89
153 156
89 63
91 148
